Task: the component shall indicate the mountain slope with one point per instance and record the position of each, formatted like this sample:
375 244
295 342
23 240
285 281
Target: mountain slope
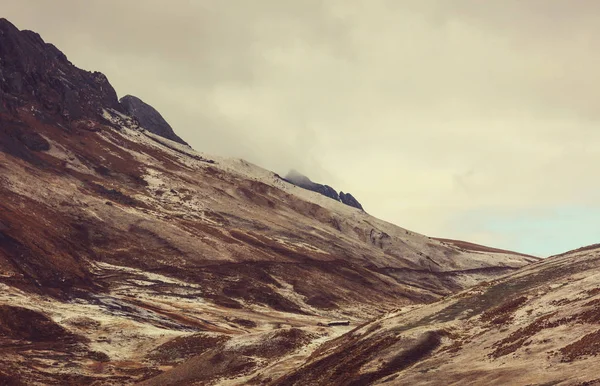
129 253
540 325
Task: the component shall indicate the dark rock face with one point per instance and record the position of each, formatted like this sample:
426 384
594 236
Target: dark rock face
348 199
35 72
302 181
298 179
328 191
149 118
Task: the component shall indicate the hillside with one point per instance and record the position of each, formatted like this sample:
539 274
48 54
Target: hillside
123 254
538 326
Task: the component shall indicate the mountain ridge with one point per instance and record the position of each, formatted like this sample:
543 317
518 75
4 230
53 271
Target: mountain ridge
303 181
149 118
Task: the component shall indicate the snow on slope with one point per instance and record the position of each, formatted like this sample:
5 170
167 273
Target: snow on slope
151 240
431 254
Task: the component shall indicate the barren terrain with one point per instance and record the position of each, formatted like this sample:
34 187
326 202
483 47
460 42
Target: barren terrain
129 258
539 326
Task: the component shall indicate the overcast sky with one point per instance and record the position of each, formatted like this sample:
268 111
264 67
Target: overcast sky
466 119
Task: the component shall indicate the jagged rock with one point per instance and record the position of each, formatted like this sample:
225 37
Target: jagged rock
32 71
348 199
302 181
327 190
149 118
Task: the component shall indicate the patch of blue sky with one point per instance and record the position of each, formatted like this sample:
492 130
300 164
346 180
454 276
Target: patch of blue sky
540 232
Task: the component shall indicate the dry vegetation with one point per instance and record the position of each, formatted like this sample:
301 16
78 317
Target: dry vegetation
125 257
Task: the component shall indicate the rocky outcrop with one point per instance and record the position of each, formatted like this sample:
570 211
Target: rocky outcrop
149 118
302 181
349 199
35 72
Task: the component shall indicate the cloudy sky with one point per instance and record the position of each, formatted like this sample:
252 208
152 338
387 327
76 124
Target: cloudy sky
467 119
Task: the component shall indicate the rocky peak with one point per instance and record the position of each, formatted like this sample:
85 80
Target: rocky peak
35 72
299 179
149 118
348 199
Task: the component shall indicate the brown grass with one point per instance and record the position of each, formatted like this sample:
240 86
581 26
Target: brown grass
179 349
23 323
503 314
221 361
522 336
342 366
589 345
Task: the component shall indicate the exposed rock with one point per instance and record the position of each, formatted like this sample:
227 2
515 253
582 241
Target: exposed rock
302 181
32 71
149 118
348 199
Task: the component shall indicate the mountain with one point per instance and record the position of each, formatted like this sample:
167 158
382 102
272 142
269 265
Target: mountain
302 181
149 118
36 73
124 254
